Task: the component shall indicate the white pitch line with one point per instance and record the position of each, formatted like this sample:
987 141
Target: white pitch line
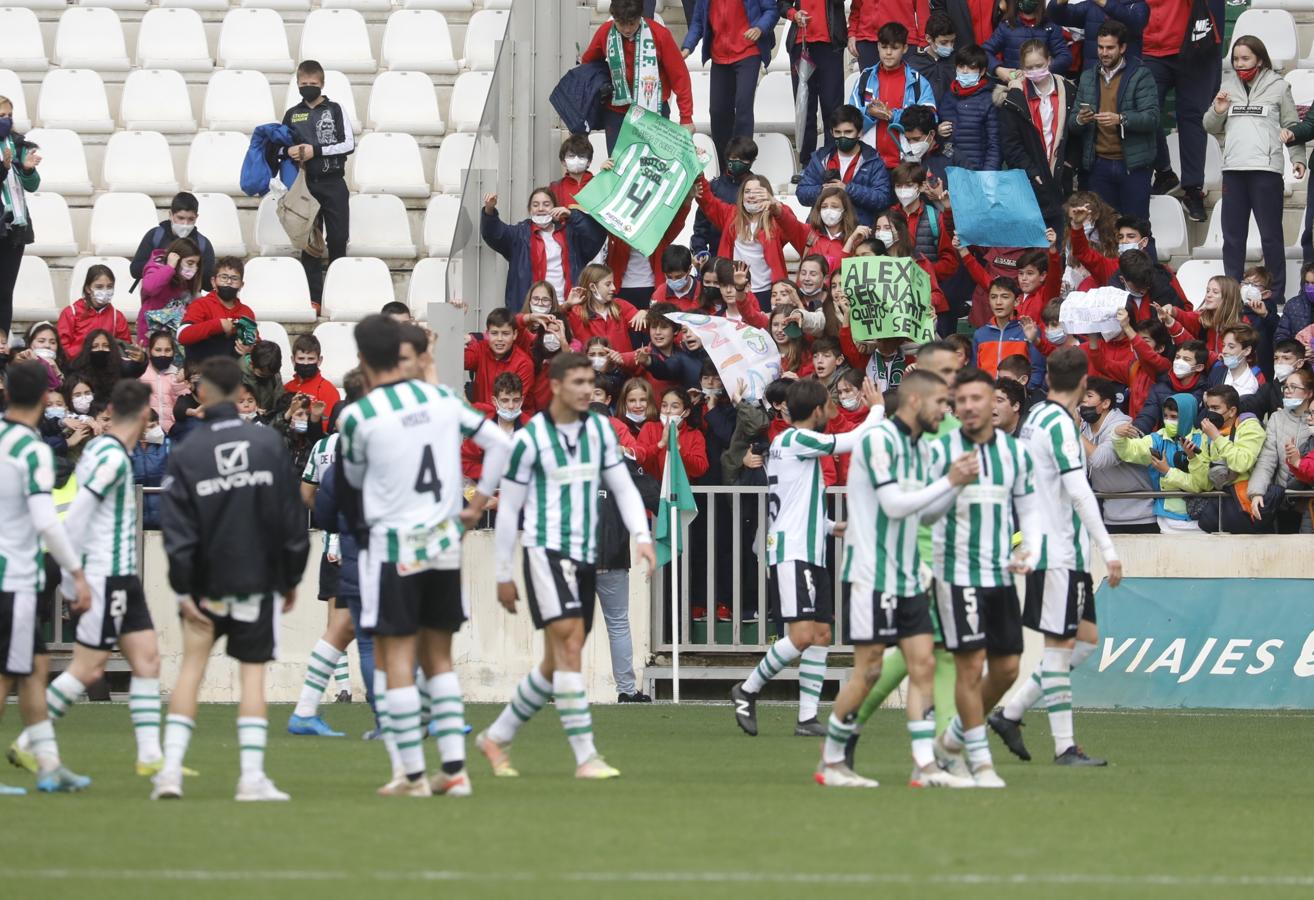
832 879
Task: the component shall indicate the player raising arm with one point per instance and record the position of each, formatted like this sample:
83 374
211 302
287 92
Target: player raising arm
557 462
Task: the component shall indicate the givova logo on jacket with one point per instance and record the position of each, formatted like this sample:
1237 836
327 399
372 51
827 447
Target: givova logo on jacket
232 461
1235 643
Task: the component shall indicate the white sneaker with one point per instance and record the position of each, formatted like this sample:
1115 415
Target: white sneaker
987 777
950 760
934 776
840 775
167 787
404 787
455 785
257 789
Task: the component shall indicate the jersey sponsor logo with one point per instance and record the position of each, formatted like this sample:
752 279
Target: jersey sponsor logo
573 474
232 457
984 495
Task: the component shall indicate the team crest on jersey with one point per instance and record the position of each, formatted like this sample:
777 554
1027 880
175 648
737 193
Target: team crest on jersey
232 457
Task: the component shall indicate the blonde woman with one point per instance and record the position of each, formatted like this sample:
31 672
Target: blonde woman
1220 309
754 231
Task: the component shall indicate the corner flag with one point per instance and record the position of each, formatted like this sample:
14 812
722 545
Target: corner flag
677 506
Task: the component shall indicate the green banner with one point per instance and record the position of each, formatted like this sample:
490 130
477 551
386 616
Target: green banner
654 168
888 297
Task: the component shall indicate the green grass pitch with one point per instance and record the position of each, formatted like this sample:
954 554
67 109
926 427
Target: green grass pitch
1194 805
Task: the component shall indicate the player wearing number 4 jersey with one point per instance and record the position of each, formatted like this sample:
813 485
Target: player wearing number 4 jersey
890 493
799 584
1059 591
401 448
558 461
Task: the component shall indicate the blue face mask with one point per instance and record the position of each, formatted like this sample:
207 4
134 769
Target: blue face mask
968 79
943 52
6 126
679 285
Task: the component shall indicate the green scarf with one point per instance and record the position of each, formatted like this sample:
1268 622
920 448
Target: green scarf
647 77
11 189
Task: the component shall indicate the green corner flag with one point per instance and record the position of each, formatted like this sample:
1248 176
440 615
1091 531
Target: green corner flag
676 497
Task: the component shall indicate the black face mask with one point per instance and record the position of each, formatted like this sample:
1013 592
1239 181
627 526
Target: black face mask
306 371
845 144
1089 414
161 362
711 296
100 357
1216 418
310 92
227 293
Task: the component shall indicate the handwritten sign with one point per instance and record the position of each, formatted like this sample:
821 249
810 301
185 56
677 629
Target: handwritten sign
888 298
1093 312
738 350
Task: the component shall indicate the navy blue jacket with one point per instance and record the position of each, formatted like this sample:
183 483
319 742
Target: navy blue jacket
1089 16
265 159
1004 47
870 189
681 367
762 14
975 141
706 236
578 97
584 238
149 463
330 517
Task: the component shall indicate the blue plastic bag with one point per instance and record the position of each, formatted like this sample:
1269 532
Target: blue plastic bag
995 209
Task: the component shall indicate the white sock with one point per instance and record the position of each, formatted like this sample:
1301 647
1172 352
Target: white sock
532 694
837 738
252 733
342 675
778 655
62 693
449 713
177 735
385 721
319 670
978 749
953 736
144 707
922 733
1081 652
573 707
426 699
811 676
1024 697
44 747
1056 679
404 710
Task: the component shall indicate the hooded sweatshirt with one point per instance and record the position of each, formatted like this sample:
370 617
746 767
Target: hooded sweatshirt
1164 442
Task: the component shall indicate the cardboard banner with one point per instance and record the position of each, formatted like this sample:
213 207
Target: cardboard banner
995 209
1093 312
889 297
738 350
655 166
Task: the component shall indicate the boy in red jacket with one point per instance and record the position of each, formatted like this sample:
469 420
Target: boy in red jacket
497 354
507 412
209 328
306 359
1039 275
1135 358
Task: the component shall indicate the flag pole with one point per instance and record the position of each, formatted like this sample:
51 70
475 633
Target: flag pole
675 570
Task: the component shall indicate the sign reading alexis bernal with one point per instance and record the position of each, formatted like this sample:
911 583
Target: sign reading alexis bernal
1233 643
889 297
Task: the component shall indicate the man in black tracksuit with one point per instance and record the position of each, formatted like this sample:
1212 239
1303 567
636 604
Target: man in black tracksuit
324 140
236 538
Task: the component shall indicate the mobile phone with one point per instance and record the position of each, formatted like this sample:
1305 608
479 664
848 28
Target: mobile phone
1086 107
1155 453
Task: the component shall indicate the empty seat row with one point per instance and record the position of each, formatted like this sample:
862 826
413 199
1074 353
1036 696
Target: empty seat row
446 6
174 38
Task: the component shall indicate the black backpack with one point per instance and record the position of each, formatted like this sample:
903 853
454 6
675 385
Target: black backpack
1202 32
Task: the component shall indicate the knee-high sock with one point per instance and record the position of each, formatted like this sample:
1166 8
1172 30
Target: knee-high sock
342 675
62 693
573 706
837 737
426 699
177 735
978 748
404 711
811 677
893 671
385 721
449 714
922 735
44 747
1056 681
319 669
531 695
1025 696
778 655
144 707
946 674
1081 652
252 733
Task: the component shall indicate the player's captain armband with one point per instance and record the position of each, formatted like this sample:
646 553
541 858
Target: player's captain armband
573 474
985 495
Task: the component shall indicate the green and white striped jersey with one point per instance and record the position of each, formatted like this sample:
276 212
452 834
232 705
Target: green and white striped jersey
562 464
27 467
973 541
797 524
401 447
321 459
1055 446
109 539
881 551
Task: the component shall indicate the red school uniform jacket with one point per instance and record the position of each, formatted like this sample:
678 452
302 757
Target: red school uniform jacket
80 318
584 325
479 358
693 450
786 229
201 324
670 64
1028 305
1130 362
867 16
319 388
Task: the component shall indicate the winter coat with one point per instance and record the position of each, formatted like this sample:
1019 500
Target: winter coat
1090 16
613 537
330 517
1004 47
149 463
30 182
974 143
751 422
762 14
991 345
80 318
938 70
1250 139
785 229
159 291
165 391
837 24
693 449
870 189
916 92
1271 467
265 159
584 238
1297 315
1023 147
580 97
1138 100
159 238
1111 475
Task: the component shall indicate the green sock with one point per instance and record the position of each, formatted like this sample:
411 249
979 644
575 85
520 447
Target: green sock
943 692
893 671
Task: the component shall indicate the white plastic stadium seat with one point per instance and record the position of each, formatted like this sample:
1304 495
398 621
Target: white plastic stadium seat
173 39
362 5
214 162
780 61
486 28
454 155
45 4
1213 172
275 288
200 5
712 167
25 51
700 87
285 5
337 87
775 161
52 225
469 96
1302 85
801 213
254 39
218 212
90 38
440 5
34 295
270 237
428 284
127 303
238 100
388 163
63 162
1212 248
1168 223
404 101
355 287
338 39
273 332
74 99
119 220
418 40
380 227
11 86
337 341
1194 274
440 219
139 161
157 100
1276 28
127 5
773 110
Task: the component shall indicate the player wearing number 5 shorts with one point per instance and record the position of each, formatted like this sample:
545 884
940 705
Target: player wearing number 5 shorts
1059 590
236 539
799 583
558 462
401 449
890 493
974 566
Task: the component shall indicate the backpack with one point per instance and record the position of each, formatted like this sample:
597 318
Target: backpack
1202 31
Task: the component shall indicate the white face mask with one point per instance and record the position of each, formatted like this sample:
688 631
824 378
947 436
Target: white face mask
45 353
541 309
907 195
508 415
1128 245
55 412
636 417
1055 335
850 403
885 236
153 435
1282 371
1182 368
576 164
543 220
916 149
753 208
551 343
712 392
599 363
300 426
102 296
1251 292
81 404
247 416
667 419
830 216
182 231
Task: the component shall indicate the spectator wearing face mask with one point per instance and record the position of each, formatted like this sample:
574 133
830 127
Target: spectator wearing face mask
849 163
740 155
262 372
1286 427
650 449
576 155
1260 311
1149 282
301 428
213 324
1186 376
150 460
172 280
93 311
935 59
1109 474
42 343
1288 357
885 89
1233 441
918 141
166 380
308 380
1025 21
930 218
1235 366
851 412
969 123
507 412
553 244
680 286
181 223
1033 117
103 362
1168 456
18 176
1298 314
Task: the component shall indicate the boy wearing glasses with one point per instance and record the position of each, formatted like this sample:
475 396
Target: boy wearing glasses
213 325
